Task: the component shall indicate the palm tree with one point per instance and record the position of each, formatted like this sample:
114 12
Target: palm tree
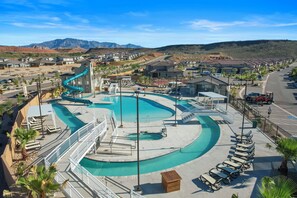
288 148
24 136
40 181
279 186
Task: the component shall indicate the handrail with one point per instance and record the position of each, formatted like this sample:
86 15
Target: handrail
60 150
88 142
68 189
96 185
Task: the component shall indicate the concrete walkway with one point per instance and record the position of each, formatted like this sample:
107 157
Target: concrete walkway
244 186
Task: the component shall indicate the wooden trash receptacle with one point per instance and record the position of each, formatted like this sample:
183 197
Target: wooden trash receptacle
171 181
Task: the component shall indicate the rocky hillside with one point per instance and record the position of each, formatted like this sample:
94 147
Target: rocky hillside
238 49
14 49
76 43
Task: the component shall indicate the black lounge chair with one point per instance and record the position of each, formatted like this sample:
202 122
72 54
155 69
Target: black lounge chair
234 173
220 175
213 183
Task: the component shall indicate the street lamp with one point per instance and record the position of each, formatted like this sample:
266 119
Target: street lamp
121 104
137 92
243 113
39 104
175 123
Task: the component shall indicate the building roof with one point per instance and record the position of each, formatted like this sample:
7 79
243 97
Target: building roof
165 63
209 79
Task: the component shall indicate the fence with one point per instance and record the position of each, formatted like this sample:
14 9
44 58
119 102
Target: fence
59 151
67 189
93 183
8 156
272 130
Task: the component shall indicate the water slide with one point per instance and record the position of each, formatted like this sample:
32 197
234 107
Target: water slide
71 89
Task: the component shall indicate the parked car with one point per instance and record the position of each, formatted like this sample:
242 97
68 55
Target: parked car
251 95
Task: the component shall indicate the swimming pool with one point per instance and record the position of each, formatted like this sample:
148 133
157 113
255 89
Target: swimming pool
67 117
208 138
145 136
148 110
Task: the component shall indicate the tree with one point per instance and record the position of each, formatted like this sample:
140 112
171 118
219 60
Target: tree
24 136
279 186
40 181
288 148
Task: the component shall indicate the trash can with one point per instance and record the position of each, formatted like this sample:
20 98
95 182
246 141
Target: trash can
254 123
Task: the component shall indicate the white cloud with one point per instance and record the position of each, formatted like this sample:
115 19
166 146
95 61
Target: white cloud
146 28
205 24
76 18
137 14
213 25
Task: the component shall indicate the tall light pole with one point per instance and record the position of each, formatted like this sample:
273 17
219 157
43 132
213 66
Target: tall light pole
39 104
175 123
137 92
121 104
243 112
228 92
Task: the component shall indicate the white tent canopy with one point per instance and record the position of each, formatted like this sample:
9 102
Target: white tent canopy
46 110
212 95
208 99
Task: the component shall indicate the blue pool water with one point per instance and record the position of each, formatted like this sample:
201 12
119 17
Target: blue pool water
145 136
67 117
148 110
209 136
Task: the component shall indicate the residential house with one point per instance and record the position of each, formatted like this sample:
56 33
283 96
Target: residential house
163 69
207 84
42 62
64 60
13 63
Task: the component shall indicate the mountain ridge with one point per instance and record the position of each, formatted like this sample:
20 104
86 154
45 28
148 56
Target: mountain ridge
75 43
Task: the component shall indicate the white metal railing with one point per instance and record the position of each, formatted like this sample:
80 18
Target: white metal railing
115 129
67 189
96 185
61 149
88 142
93 183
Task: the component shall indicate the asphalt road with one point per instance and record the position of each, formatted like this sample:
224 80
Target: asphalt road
284 108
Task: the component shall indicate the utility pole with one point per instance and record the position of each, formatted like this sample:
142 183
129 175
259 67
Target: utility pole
243 113
39 104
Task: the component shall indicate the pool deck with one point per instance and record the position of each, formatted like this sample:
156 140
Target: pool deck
245 185
120 150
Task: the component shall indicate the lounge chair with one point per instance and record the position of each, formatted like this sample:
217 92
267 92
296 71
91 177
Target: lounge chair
213 183
245 163
244 155
31 147
53 130
32 144
37 127
246 134
244 139
233 164
234 173
248 150
218 174
38 119
246 146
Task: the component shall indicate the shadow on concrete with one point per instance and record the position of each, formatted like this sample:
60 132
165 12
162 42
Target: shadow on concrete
201 186
152 188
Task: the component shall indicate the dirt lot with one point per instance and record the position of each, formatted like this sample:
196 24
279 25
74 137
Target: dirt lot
31 71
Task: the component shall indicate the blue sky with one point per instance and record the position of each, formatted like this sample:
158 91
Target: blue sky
147 23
